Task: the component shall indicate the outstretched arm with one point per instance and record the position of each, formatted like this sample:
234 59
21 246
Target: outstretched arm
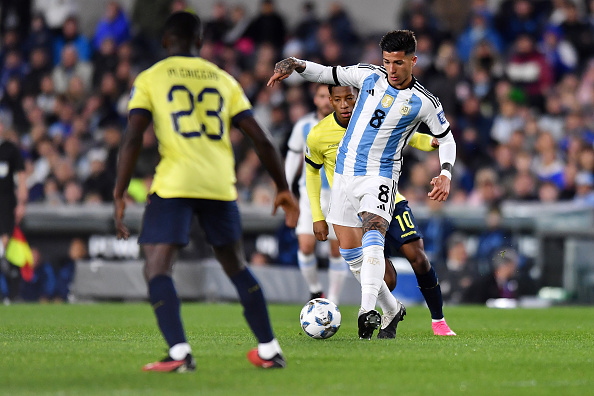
127 157
447 158
270 157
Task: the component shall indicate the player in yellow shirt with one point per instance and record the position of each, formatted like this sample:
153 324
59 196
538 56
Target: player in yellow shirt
403 234
192 104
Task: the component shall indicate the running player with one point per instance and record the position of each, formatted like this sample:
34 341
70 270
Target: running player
389 110
403 234
337 268
192 104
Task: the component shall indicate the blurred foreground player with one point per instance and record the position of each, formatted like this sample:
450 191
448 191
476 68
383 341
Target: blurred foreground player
192 104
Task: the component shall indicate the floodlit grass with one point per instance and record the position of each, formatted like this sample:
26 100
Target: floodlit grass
98 349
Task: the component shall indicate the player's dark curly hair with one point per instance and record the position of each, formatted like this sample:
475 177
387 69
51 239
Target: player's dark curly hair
399 40
184 25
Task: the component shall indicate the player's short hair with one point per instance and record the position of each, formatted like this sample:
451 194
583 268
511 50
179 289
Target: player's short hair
399 40
184 25
332 86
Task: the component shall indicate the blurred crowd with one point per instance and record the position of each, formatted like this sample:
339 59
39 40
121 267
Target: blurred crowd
516 83
515 78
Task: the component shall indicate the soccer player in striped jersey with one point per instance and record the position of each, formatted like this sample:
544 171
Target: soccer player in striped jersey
192 104
391 106
403 235
337 268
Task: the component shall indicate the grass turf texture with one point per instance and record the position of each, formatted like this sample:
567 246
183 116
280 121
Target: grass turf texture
99 349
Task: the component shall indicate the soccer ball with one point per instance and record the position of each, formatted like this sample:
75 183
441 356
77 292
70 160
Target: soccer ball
320 318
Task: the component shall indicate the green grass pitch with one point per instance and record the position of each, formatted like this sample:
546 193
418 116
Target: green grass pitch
99 349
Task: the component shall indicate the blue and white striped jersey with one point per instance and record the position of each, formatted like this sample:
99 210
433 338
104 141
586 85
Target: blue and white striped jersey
297 143
383 121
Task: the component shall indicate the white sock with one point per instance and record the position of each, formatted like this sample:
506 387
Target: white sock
437 320
179 351
309 269
372 275
337 271
267 350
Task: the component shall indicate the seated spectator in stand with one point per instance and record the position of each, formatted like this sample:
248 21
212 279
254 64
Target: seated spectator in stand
71 65
114 25
499 283
72 36
492 240
43 282
65 269
584 190
458 274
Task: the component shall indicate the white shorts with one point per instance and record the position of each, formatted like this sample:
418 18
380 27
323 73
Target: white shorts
352 195
305 223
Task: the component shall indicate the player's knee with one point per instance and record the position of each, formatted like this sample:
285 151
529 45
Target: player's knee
420 263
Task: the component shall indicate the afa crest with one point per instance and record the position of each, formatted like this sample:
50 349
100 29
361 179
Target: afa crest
405 109
387 101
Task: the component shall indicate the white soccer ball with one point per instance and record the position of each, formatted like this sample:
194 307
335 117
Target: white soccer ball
320 318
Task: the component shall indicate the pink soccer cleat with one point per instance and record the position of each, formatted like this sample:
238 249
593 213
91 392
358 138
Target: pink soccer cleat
441 328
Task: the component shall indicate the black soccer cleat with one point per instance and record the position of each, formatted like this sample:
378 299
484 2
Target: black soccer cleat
168 365
368 322
390 330
316 295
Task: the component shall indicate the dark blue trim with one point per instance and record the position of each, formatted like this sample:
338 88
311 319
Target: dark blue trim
185 54
142 112
338 122
313 164
236 119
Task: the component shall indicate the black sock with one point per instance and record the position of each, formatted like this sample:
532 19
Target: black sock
166 305
254 305
432 293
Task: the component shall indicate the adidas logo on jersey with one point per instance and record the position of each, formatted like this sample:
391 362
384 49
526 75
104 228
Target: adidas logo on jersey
370 91
382 207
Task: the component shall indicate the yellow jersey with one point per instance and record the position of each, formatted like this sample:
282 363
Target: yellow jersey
192 104
322 143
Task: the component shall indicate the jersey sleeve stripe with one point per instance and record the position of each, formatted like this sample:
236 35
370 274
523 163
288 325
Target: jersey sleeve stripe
428 94
241 115
142 112
443 134
335 76
313 164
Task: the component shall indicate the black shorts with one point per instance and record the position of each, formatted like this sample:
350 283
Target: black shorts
403 228
168 220
6 217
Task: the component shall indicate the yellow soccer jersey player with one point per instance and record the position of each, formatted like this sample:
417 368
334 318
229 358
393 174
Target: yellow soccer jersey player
191 102
322 144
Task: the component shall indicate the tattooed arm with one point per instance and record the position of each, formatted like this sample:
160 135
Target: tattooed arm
285 68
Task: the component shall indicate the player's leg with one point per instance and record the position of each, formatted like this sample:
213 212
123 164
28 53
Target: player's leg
166 225
306 258
222 224
428 283
405 236
337 271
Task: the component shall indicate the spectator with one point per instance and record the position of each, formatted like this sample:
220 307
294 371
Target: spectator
501 282
584 193
528 69
577 31
70 66
65 269
267 27
114 25
43 283
479 30
56 13
458 273
39 66
492 240
72 37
